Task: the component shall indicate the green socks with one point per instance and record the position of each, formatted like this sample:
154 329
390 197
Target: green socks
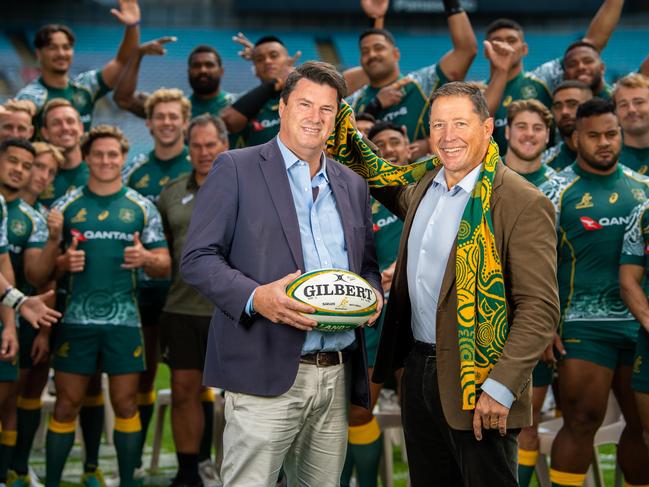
364 453
91 418
127 438
7 447
60 437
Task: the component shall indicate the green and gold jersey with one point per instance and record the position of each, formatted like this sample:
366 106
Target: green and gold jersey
104 293
213 105
66 180
593 212
387 234
552 73
636 238
4 243
147 174
538 177
413 109
558 157
524 86
82 91
636 159
261 128
26 229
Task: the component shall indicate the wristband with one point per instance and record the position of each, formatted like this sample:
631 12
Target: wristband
452 7
252 102
13 298
134 24
374 107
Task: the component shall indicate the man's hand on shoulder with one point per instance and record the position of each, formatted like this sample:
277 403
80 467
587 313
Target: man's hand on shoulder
271 301
489 414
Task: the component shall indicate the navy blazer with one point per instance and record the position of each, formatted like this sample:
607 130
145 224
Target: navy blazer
244 232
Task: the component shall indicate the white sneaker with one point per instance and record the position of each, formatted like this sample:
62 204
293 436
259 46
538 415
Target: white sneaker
208 474
34 481
112 481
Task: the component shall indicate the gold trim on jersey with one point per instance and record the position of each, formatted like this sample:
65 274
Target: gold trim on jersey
573 271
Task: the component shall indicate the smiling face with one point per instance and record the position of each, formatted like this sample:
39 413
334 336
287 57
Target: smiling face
393 145
271 61
632 108
166 123
43 173
527 135
56 56
457 135
15 167
379 58
204 145
63 128
16 123
307 118
598 140
584 64
105 160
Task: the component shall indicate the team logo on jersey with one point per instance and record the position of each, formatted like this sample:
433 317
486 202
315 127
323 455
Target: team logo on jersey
637 364
613 198
507 101
639 195
18 227
80 216
48 193
143 182
137 352
376 206
164 181
586 202
126 215
79 101
63 350
529 92
103 215
590 224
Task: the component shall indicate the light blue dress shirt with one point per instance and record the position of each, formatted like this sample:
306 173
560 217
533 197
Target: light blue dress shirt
432 235
321 235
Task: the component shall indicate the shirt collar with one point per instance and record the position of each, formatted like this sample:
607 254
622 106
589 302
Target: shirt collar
467 183
291 159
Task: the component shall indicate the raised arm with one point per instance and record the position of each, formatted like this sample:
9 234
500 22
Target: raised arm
129 15
603 24
456 63
500 56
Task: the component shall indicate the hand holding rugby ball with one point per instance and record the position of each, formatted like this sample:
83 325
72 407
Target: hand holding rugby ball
342 300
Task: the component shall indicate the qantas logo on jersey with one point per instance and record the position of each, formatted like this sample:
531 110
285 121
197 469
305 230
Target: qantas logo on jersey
102 235
590 224
383 222
258 125
401 112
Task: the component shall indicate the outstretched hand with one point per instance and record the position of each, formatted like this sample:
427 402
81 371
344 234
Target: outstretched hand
156 47
37 313
128 12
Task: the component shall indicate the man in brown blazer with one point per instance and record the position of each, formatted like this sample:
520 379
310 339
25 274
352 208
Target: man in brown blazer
446 445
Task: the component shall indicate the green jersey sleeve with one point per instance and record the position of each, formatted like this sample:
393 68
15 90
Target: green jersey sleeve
429 78
4 242
634 247
38 237
92 82
550 73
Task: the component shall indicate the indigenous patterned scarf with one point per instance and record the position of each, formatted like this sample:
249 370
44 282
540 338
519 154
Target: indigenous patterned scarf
481 307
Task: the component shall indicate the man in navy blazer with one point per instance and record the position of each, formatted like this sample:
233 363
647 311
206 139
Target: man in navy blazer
265 214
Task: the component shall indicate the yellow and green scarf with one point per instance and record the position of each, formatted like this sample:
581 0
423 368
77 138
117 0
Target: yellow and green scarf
481 306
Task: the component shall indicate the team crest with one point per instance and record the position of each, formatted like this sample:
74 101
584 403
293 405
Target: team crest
80 216
103 215
586 202
613 198
639 195
63 350
143 182
507 101
127 215
137 352
376 206
18 227
637 364
529 92
164 181
79 101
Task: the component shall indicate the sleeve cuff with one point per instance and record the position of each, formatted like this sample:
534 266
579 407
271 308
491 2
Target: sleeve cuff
250 310
498 392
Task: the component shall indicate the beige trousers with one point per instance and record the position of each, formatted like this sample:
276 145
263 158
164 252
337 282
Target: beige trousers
304 429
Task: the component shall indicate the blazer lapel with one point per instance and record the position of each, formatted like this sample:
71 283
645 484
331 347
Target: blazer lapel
274 171
341 193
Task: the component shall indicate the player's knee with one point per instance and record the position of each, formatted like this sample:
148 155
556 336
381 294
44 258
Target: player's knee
583 421
66 410
125 408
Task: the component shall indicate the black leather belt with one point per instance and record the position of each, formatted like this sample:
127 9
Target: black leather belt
426 349
325 359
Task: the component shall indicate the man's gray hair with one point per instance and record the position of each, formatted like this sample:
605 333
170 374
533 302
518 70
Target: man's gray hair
469 90
207 119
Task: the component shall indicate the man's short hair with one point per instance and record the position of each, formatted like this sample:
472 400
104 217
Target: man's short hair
43 36
266 39
374 31
45 148
201 48
577 44
102 132
503 24
594 107
55 103
209 119
531 105
382 126
364 117
319 72
634 80
469 90
14 105
166 95
571 83
17 142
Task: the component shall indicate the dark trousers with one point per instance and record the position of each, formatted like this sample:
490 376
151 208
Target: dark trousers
439 455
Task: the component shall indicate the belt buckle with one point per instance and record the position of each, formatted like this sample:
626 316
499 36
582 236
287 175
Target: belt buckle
317 360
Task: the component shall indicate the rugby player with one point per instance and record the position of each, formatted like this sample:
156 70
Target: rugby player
593 199
185 320
631 98
46 164
16 121
364 122
110 231
582 58
393 97
54 44
168 113
565 100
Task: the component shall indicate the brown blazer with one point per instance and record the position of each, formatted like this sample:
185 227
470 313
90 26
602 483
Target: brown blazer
526 238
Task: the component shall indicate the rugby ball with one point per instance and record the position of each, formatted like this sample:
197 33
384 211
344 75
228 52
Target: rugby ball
342 300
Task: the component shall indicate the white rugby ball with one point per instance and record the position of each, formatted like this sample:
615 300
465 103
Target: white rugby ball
342 300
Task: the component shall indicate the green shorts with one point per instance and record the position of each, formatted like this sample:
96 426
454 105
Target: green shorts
640 378
543 374
183 340
26 335
87 349
8 370
607 343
